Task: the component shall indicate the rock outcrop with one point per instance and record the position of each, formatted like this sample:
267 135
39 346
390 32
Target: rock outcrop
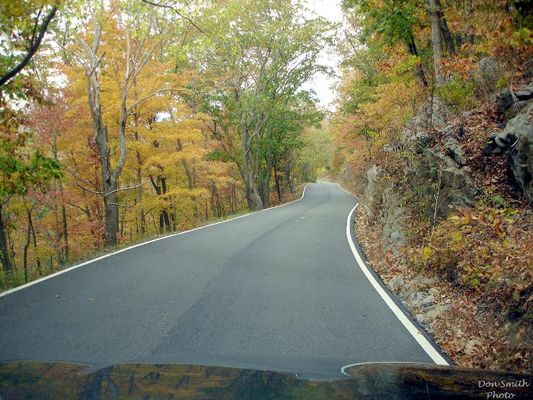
381 200
448 186
438 172
373 194
516 139
511 103
418 294
489 73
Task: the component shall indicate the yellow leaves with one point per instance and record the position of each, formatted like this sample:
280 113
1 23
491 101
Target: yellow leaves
181 192
456 236
521 38
170 131
474 282
427 252
405 67
157 163
399 99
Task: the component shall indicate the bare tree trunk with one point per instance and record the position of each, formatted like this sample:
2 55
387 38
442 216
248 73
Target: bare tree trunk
139 193
109 184
265 186
62 232
434 12
34 238
30 234
288 175
109 174
469 14
164 221
160 188
61 223
411 46
4 247
164 212
138 170
58 239
64 226
25 251
27 244
186 167
110 213
252 196
277 179
448 38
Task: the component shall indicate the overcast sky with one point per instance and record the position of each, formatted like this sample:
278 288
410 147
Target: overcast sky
323 85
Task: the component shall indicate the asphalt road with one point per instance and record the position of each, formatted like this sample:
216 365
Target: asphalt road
278 290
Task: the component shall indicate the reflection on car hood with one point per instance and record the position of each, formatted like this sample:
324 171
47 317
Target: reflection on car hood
157 381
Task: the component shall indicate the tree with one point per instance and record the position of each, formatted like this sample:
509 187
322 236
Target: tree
146 117
46 120
259 72
130 48
434 11
393 21
22 166
20 171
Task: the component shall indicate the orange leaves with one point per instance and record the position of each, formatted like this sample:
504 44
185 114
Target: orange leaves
462 65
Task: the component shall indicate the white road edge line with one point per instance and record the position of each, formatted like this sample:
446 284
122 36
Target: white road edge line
344 190
343 369
413 330
44 278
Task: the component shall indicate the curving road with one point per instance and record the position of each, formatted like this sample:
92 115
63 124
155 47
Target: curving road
279 290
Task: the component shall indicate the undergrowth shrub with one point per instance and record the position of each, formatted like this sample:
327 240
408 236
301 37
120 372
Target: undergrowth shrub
484 250
11 279
458 93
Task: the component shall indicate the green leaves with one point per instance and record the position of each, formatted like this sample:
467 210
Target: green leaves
217 155
392 20
20 171
254 78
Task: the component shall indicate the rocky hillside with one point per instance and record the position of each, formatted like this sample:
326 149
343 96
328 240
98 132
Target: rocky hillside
434 132
452 216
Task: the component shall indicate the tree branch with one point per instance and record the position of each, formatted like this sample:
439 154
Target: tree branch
99 193
159 91
34 45
176 11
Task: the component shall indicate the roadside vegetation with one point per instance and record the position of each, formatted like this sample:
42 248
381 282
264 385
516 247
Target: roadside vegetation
434 134
121 120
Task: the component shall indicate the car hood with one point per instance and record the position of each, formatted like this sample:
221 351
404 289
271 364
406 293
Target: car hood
46 380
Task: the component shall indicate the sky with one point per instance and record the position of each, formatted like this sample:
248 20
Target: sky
321 84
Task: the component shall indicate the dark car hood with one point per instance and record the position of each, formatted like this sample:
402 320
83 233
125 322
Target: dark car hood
39 380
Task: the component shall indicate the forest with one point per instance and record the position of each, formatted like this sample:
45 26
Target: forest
123 120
